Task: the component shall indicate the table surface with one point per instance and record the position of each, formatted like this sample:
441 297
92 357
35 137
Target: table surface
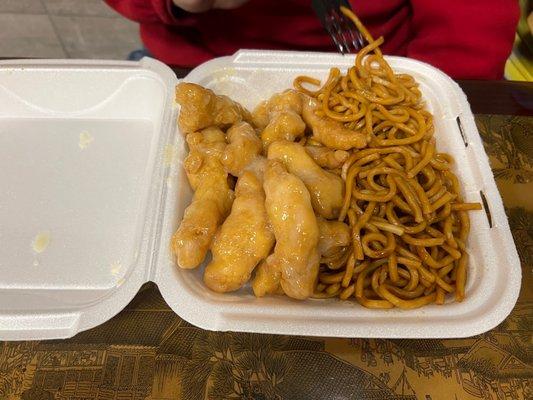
148 352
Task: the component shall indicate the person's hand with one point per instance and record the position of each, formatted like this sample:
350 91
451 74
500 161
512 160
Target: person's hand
196 6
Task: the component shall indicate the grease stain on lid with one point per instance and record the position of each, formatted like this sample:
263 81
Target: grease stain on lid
41 242
115 268
85 140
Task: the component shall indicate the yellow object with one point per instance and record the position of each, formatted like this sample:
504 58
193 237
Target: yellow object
41 242
519 65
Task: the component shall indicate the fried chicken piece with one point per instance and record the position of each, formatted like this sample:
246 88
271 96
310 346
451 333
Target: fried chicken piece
243 240
332 236
243 146
279 117
261 115
199 225
325 188
206 149
257 166
285 125
210 204
267 278
326 157
329 132
211 201
289 100
201 108
295 227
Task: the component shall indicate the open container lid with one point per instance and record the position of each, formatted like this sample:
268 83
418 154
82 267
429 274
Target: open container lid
80 145
93 189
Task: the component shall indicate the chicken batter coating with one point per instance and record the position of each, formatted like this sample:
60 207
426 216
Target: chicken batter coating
295 227
332 235
206 149
325 188
289 100
243 146
211 201
326 157
279 117
283 125
201 108
329 132
267 278
243 240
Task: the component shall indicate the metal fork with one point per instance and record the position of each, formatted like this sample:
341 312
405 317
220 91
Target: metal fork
345 36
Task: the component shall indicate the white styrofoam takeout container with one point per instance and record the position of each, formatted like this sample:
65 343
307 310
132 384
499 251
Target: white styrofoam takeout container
90 157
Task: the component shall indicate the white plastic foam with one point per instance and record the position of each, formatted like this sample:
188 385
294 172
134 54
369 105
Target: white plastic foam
109 207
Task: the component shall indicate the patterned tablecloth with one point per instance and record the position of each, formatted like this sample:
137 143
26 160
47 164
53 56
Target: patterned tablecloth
148 352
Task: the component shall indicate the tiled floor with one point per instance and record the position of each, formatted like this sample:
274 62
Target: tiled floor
65 29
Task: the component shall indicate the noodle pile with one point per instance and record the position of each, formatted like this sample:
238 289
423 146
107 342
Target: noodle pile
408 221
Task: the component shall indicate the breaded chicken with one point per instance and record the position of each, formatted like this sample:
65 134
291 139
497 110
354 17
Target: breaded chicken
211 201
332 236
201 108
279 117
244 239
286 125
243 146
325 188
326 157
206 149
295 227
329 132
289 100
267 278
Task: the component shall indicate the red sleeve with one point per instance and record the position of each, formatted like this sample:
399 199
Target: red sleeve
464 38
145 11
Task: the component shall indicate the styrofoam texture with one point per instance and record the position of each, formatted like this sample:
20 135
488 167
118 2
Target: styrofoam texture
110 229
494 270
98 201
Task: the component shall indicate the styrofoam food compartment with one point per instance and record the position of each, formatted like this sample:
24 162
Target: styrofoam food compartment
93 188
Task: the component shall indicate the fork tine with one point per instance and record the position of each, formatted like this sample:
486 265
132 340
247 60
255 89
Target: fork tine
339 35
353 39
344 36
361 40
335 39
357 39
349 35
333 30
323 10
345 33
356 36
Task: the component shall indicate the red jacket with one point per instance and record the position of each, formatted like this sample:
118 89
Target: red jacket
464 38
